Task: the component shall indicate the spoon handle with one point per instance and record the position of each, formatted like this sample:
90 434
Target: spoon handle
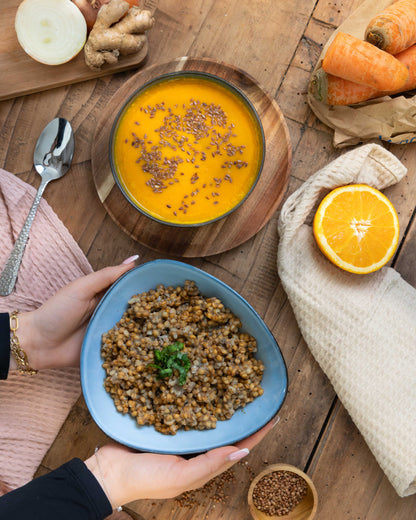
9 275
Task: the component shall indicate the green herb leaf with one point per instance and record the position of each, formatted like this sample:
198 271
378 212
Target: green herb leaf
171 359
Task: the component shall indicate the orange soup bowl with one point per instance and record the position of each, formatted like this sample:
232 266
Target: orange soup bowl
187 148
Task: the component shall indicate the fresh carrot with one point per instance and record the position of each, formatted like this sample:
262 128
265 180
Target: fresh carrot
393 29
408 59
332 90
353 59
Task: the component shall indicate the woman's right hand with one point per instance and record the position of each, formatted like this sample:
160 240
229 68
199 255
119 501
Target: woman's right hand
52 335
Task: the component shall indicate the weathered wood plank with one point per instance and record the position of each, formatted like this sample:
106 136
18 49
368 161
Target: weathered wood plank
349 481
278 43
258 36
335 12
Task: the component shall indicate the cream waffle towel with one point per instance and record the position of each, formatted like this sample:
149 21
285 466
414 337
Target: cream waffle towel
32 409
360 328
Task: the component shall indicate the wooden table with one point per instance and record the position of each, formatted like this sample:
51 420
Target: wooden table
278 43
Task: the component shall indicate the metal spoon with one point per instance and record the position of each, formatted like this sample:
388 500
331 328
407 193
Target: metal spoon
52 158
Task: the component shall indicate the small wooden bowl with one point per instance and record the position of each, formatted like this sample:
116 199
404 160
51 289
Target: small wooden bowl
305 510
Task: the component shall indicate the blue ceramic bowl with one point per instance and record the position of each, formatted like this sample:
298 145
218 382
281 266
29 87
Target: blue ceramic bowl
123 428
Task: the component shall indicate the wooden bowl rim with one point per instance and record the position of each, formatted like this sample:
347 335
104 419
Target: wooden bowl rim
282 467
205 76
230 231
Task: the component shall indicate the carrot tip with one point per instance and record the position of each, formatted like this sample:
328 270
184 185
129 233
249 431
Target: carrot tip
377 39
318 85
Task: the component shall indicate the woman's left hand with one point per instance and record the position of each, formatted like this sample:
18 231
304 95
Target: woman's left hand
52 335
126 475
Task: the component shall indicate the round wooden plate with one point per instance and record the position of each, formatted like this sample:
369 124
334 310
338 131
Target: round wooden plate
228 232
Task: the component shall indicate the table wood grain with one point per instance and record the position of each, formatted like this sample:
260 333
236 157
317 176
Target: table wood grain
278 43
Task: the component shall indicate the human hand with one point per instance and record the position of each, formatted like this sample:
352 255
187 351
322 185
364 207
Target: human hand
52 335
126 475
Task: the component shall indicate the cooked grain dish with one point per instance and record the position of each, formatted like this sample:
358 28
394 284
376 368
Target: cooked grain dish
177 359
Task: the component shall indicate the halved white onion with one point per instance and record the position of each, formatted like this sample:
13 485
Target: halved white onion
50 31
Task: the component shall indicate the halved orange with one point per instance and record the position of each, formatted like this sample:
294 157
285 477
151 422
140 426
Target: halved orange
357 228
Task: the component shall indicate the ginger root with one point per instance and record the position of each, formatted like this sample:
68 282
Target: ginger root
118 30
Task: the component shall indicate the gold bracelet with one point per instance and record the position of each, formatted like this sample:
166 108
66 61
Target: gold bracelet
19 354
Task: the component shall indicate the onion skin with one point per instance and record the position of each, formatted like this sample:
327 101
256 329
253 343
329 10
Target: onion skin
90 8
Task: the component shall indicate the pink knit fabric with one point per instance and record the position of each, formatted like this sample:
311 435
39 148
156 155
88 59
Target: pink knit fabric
32 409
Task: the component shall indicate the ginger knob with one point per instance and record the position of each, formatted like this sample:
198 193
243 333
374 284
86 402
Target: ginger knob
118 30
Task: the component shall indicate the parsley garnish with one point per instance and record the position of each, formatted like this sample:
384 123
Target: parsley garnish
169 359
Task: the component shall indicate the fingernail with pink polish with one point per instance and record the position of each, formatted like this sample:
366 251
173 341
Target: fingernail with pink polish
130 259
237 455
275 421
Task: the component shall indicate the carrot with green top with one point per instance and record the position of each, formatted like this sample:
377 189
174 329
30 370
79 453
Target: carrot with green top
332 90
394 28
353 59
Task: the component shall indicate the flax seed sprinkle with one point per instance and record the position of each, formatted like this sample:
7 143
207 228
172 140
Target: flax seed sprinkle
218 489
183 131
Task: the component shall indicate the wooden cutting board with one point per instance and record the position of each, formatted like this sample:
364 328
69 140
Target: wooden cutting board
20 74
229 231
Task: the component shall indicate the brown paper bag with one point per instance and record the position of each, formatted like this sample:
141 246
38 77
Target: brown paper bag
387 119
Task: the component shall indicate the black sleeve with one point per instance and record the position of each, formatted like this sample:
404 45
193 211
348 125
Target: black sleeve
4 344
69 492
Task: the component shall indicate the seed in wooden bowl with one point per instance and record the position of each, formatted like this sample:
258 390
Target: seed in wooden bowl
279 492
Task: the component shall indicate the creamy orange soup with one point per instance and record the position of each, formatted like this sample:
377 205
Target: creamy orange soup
187 150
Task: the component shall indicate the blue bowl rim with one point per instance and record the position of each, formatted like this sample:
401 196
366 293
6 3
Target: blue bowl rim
167 76
230 441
